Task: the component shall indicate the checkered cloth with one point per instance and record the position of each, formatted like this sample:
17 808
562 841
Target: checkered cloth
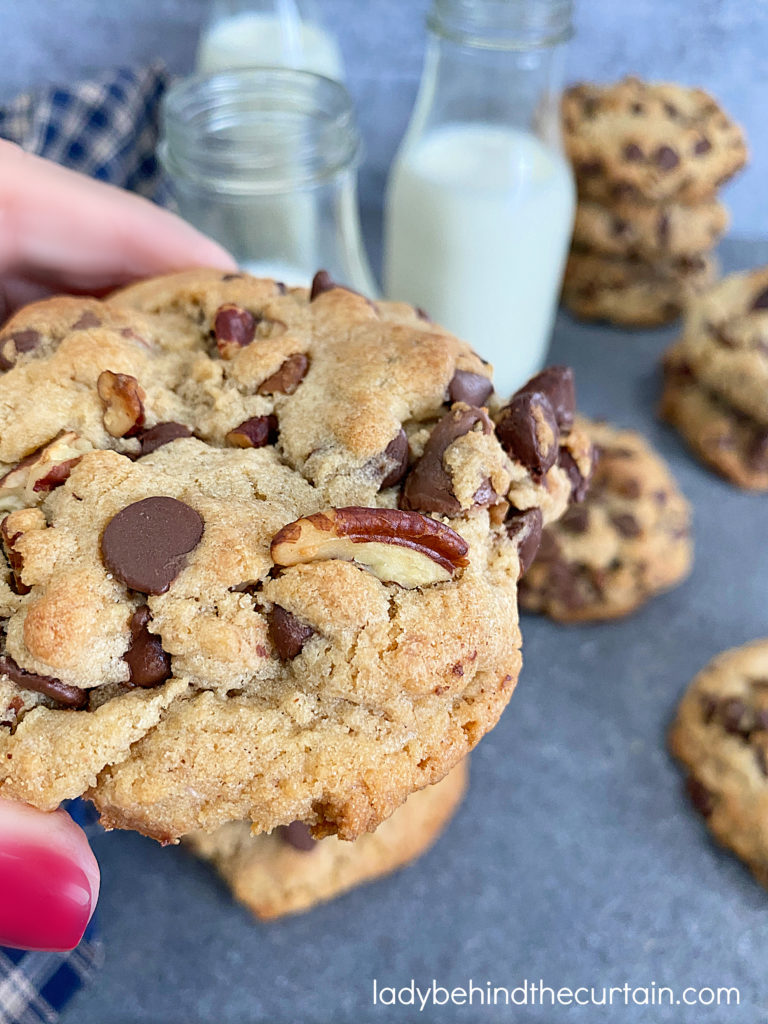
107 128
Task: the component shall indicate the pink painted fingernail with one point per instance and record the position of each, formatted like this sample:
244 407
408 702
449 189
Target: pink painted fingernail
46 898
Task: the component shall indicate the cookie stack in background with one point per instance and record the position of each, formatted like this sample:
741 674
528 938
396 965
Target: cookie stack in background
648 159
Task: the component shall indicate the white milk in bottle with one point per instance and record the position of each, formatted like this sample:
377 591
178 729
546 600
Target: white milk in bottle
269 38
478 223
480 198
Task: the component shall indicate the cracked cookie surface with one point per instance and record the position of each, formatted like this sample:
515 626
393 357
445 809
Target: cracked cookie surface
653 141
628 540
287 871
716 379
211 606
721 737
630 292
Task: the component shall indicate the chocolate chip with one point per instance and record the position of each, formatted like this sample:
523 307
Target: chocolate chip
396 458
760 301
575 520
629 488
662 229
255 432
579 483
287 633
428 485
672 110
700 796
626 524
234 325
619 227
148 664
528 431
526 529
145 544
470 388
287 378
632 153
666 158
702 146
557 383
13 345
88 319
637 108
758 451
62 693
162 433
735 717
589 168
233 277
762 760
297 835
321 282
422 314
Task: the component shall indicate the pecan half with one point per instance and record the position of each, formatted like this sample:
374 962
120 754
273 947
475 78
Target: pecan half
123 400
399 547
256 432
233 328
41 471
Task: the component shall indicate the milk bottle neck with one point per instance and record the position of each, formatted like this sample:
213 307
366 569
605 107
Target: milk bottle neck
494 62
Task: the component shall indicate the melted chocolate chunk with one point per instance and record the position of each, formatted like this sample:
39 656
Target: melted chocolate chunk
470 388
145 545
148 664
528 431
396 457
287 633
162 433
62 693
526 529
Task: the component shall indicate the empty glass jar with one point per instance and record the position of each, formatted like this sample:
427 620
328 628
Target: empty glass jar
265 161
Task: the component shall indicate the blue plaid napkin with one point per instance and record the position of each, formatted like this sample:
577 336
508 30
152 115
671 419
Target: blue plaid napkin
107 128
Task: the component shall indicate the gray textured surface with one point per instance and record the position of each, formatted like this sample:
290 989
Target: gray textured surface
716 43
575 858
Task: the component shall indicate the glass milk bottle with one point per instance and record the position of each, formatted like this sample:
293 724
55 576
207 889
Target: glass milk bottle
480 198
265 161
268 33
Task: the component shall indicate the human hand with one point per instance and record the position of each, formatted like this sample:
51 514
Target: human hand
63 232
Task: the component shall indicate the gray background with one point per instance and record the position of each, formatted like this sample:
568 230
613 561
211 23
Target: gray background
575 858
720 44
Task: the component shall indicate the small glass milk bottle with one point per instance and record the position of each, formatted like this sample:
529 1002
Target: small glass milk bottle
268 33
265 161
480 199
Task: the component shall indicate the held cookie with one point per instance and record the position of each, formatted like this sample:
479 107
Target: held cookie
631 293
721 737
650 232
652 141
261 551
628 540
716 379
288 872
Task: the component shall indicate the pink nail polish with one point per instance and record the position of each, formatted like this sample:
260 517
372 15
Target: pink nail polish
45 898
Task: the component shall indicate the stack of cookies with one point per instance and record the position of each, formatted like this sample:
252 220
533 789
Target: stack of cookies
648 160
716 379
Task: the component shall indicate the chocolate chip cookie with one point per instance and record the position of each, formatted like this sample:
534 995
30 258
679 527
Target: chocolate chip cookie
716 379
653 141
721 737
628 540
647 231
630 292
289 871
261 551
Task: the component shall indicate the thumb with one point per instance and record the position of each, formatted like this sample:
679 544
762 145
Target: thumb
49 879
